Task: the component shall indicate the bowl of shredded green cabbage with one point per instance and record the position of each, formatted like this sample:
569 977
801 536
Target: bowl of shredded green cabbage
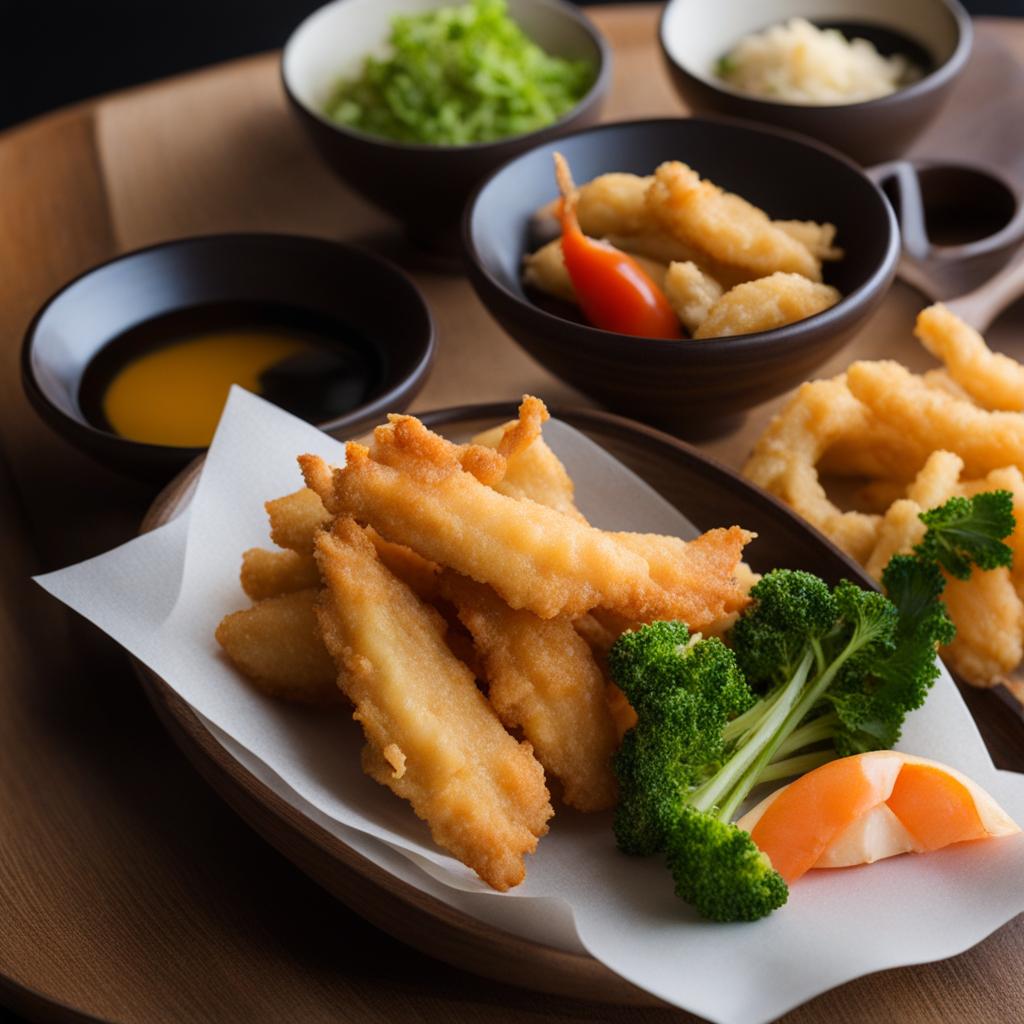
460 75
414 102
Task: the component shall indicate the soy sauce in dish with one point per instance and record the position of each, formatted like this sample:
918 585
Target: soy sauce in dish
165 381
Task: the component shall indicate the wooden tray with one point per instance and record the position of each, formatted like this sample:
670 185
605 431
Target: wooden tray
126 891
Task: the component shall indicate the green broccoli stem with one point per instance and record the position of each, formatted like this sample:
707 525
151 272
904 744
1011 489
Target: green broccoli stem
760 738
741 724
792 766
816 731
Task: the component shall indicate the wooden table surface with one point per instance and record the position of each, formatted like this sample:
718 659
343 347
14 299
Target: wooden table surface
128 892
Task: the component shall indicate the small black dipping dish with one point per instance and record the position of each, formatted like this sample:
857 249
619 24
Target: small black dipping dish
364 314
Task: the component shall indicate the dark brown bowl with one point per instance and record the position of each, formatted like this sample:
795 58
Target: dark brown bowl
284 273
695 34
686 386
426 187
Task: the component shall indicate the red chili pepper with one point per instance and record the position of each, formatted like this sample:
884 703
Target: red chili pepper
613 290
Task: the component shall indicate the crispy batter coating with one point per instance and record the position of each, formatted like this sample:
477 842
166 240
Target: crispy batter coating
1008 478
785 458
543 679
534 472
432 737
928 418
725 225
535 557
269 573
765 304
818 238
691 292
415 571
901 529
940 379
276 644
698 577
295 519
993 380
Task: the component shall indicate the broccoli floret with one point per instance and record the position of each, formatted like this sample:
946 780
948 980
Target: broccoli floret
790 608
684 690
967 532
718 869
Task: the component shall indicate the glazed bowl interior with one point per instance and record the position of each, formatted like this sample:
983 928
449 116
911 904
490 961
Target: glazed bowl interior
202 284
332 43
697 34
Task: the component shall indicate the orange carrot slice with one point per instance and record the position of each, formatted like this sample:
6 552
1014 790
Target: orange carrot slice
934 807
802 821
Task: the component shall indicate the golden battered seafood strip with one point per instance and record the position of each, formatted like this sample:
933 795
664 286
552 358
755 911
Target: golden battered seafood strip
725 225
545 270
929 418
818 238
1008 478
784 460
993 380
765 304
276 644
663 248
433 738
901 529
937 481
535 473
691 293
541 678
941 380
269 573
609 204
534 557
698 577
295 519
745 579
415 571
989 621
877 495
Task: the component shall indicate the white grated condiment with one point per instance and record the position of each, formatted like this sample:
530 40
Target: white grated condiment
800 63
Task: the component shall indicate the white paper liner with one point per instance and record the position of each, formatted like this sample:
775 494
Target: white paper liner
161 596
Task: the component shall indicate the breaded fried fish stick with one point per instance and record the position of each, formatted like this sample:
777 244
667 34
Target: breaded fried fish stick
295 518
535 472
276 644
533 556
435 740
269 573
928 417
725 225
543 679
698 577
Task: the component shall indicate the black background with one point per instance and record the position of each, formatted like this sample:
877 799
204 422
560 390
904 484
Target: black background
58 51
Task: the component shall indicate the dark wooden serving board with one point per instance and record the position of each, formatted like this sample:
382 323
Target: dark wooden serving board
128 890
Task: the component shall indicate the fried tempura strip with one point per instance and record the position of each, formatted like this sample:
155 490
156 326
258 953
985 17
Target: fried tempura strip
725 225
993 380
481 792
765 304
534 472
1008 478
276 644
819 238
269 573
698 577
295 519
534 557
928 418
543 679
785 456
691 292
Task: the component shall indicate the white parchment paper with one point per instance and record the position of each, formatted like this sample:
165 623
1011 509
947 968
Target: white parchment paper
161 596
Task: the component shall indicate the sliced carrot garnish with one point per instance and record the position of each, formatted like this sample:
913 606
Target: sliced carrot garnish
934 807
798 826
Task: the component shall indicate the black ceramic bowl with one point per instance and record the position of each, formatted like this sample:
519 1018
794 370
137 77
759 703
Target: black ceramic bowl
425 187
936 34
686 385
204 281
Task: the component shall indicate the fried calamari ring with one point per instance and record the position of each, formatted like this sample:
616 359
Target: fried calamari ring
785 457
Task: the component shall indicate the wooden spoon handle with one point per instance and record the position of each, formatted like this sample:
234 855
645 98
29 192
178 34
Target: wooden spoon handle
981 307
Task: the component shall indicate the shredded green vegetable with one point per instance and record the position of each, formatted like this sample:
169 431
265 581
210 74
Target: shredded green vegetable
460 75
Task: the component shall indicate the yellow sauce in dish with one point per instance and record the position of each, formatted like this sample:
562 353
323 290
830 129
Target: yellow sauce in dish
174 395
